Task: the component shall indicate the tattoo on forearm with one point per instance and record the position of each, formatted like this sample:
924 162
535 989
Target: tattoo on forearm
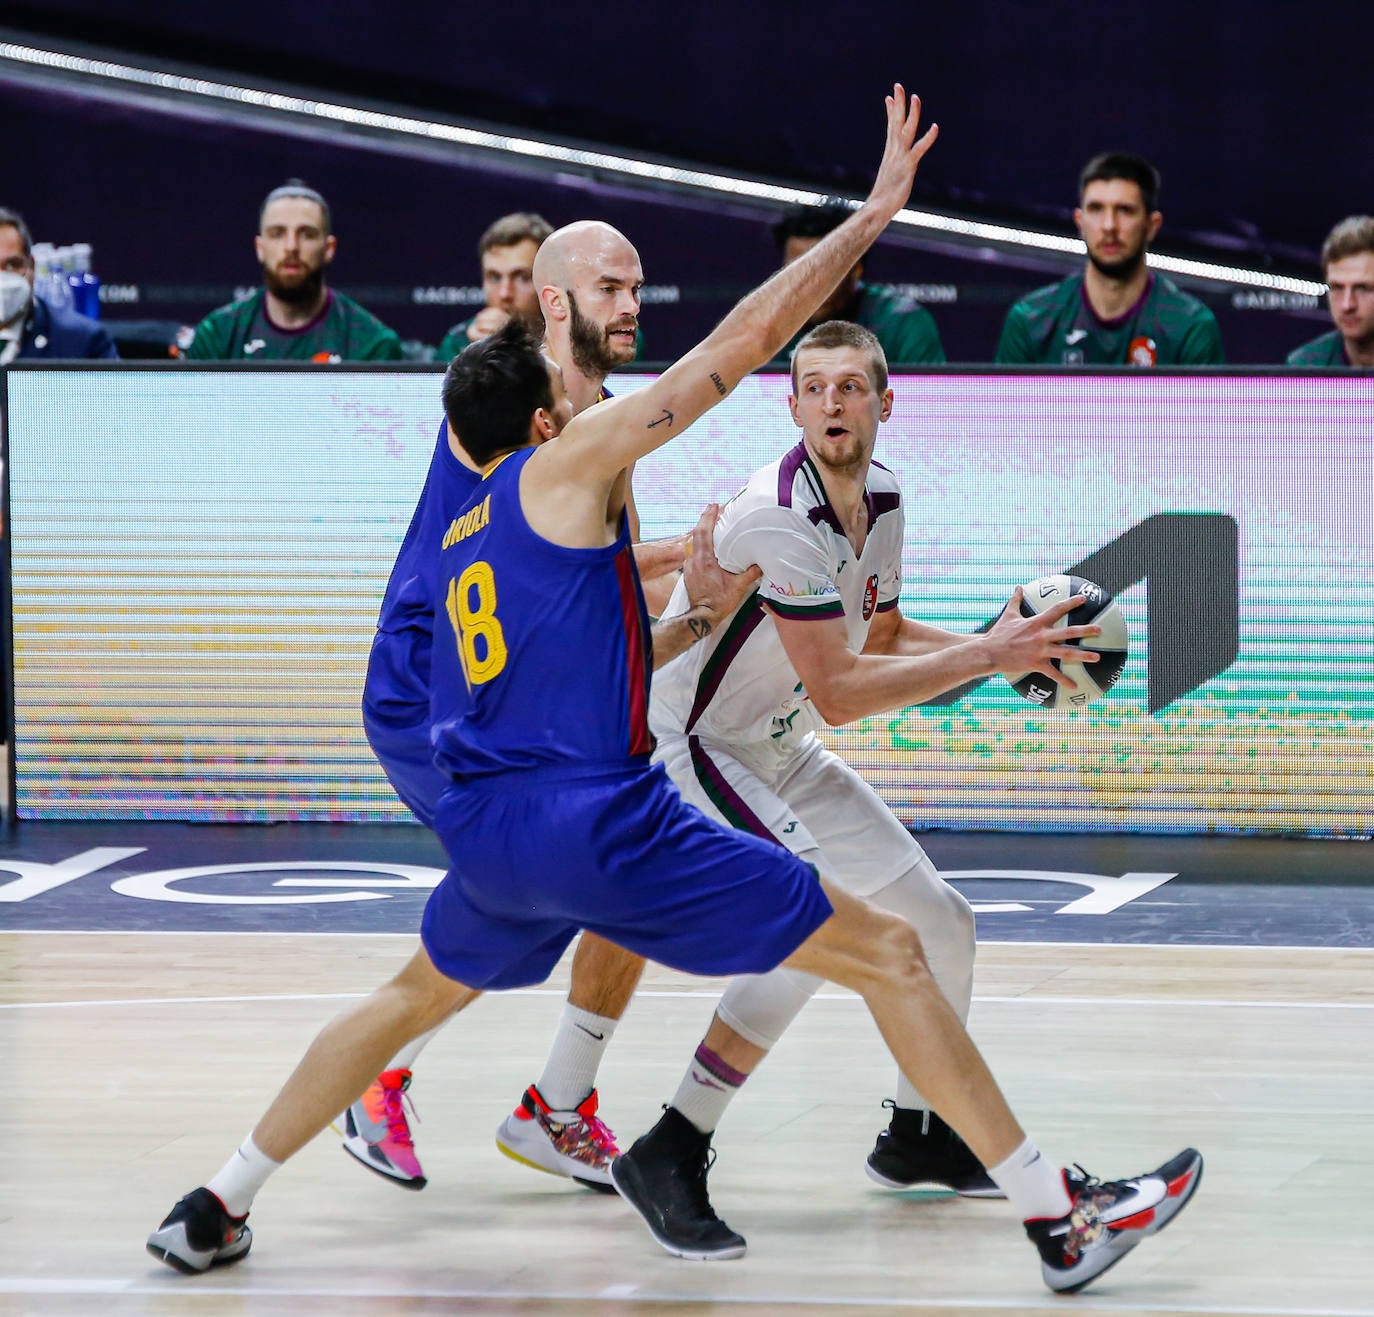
667 416
719 383
699 627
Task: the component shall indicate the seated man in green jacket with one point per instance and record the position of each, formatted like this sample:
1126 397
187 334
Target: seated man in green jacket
295 315
901 324
1117 312
1348 268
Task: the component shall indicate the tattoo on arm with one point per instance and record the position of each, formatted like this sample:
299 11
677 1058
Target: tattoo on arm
667 416
699 627
719 383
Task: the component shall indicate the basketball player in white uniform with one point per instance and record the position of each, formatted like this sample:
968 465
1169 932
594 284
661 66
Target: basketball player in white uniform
736 719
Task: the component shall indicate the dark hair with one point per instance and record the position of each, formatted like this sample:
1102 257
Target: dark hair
16 221
1350 237
845 334
809 221
510 229
297 187
492 389
1122 164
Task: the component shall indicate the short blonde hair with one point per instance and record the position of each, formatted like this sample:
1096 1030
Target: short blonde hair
845 334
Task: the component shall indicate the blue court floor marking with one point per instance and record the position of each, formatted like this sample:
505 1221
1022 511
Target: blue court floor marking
375 879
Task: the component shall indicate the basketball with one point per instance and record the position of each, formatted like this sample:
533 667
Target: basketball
1093 679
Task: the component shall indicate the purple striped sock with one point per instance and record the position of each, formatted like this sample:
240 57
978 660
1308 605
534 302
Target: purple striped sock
707 1088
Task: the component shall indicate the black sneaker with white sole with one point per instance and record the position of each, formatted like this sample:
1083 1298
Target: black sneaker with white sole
663 1177
1109 1219
199 1234
919 1151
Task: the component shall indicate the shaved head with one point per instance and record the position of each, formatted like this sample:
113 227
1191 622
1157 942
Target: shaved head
577 250
588 277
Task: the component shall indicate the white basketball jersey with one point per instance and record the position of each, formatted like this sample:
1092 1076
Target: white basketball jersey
737 685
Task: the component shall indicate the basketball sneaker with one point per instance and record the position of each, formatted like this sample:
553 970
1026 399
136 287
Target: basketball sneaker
575 1143
199 1234
919 1151
377 1132
1109 1219
663 1177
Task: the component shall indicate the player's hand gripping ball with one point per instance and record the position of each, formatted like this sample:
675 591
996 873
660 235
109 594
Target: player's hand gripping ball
1093 680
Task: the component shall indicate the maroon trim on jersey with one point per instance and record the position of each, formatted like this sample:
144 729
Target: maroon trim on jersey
742 626
309 324
638 652
1117 321
787 473
885 501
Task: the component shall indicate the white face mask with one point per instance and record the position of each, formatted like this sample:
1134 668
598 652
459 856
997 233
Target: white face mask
15 296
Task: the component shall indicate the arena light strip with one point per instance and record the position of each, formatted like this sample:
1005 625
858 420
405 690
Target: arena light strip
624 166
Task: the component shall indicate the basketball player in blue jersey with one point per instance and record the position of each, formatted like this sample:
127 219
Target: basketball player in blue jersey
555 820
590 303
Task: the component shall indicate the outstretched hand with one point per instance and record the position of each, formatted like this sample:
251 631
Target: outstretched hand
902 153
1031 644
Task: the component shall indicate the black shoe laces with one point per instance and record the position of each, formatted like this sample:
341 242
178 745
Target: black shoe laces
695 1182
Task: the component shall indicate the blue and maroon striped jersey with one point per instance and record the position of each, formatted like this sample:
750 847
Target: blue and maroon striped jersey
542 654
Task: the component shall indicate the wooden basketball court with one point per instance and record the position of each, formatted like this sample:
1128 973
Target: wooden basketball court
137 1061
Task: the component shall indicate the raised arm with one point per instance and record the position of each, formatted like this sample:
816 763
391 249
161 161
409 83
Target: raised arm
601 442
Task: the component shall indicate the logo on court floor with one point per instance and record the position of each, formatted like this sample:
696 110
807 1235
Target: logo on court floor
278 885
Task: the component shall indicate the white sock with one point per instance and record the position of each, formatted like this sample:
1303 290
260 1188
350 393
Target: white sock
908 1099
241 1177
1033 1184
706 1089
405 1058
578 1045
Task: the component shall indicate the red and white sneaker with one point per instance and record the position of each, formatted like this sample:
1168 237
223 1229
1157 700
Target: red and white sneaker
574 1143
1108 1220
377 1132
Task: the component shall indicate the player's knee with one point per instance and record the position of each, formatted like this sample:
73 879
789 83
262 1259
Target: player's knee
898 954
960 925
425 997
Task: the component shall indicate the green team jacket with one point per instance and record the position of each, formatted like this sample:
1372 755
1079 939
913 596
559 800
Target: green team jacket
901 324
1057 326
1328 350
343 331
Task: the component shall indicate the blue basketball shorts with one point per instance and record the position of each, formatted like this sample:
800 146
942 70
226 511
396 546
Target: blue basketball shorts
536 856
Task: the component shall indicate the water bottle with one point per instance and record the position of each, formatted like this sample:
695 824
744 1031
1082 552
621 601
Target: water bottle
61 285
43 257
50 276
85 285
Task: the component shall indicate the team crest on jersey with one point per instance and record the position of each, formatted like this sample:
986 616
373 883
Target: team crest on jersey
1142 352
870 597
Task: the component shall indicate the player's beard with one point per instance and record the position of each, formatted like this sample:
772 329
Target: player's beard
304 290
841 458
1124 268
592 351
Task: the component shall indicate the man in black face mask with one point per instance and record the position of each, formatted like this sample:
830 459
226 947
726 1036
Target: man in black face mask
29 325
1117 312
295 316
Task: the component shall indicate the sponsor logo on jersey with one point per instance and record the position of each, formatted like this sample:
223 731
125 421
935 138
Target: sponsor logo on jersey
1075 336
1142 352
870 597
808 590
